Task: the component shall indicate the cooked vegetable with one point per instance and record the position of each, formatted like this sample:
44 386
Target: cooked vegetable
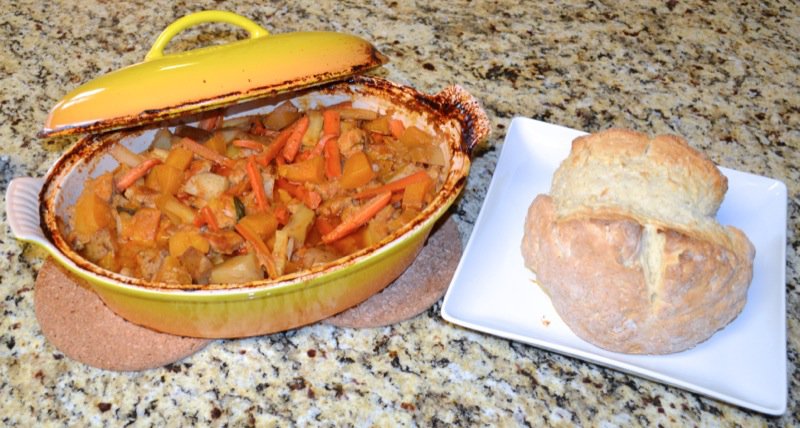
283 116
165 178
311 170
179 158
331 122
357 113
257 184
182 240
419 146
396 128
209 219
217 143
395 185
136 173
359 218
296 137
357 171
94 214
379 125
281 251
262 252
174 209
206 185
311 198
300 223
144 225
416 193
314 129
239 206
162 140
210 123
333 159
125 156
204 151
276 147
248 144
237 270
172 271
256 197
197 264
264 224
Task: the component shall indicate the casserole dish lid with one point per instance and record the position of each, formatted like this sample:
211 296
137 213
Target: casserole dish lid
164 86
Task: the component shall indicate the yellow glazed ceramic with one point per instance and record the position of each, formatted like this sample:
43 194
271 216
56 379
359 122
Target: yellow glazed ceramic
167 85
235 310
35 207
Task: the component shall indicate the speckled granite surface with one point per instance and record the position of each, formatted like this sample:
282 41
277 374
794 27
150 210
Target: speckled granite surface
723 75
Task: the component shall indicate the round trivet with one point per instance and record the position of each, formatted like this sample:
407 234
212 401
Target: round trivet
413 292
77 322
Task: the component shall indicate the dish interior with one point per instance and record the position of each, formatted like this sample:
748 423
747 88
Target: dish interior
402 102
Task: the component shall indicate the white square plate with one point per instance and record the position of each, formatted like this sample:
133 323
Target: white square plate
492 291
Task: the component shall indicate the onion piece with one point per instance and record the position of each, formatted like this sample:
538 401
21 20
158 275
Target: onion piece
162 139
124 156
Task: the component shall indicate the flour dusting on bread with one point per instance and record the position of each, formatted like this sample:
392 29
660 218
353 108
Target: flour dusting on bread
628 248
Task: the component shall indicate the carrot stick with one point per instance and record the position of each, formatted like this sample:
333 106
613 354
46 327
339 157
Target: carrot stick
275 148
210 220
323 224
331 122
238 188
361 217
136 173
311 198
293 143
318 149
257 183
249 144
262 251
204 152
396 127
399 184
333 159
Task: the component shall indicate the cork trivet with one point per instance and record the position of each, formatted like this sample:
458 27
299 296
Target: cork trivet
77 322
419 287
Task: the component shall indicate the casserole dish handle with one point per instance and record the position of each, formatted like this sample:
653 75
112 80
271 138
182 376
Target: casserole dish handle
475 126
22 211
253 29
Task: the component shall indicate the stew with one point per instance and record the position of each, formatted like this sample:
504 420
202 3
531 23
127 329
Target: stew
247 198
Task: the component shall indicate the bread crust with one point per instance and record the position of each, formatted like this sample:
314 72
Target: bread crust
620 273
620 173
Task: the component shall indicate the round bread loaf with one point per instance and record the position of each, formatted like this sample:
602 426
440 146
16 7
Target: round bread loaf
628 248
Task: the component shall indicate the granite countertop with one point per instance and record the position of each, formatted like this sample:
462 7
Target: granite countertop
725 76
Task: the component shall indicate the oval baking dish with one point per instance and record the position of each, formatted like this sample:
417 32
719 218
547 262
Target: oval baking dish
37 206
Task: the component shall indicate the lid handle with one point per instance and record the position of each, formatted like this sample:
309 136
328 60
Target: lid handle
157 51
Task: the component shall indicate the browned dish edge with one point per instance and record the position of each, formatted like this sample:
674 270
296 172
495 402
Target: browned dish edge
453 104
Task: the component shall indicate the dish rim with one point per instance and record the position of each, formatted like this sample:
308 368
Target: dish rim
395 94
